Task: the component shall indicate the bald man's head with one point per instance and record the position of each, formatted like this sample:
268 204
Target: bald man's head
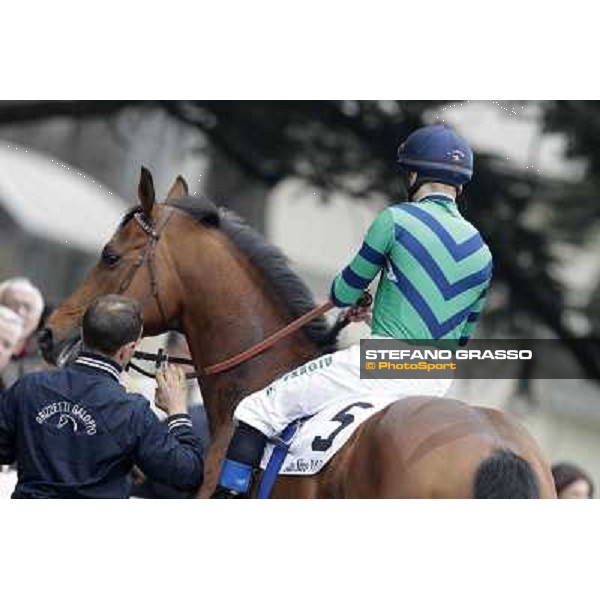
21 296
11 331
110 322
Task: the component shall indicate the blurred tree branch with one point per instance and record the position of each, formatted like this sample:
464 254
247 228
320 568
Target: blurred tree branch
12 112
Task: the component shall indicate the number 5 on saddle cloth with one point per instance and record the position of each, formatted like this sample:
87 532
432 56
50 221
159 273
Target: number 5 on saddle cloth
306 446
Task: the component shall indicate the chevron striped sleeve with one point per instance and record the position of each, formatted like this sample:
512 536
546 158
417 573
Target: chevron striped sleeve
348 286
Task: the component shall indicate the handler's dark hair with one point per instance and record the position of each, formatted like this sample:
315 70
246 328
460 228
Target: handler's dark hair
111 322
566 473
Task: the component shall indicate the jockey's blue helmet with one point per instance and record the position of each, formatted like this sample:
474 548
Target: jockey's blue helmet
436 153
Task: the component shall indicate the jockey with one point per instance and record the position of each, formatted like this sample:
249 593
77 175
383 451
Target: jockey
435 268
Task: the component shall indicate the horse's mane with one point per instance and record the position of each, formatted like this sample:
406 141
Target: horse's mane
266 257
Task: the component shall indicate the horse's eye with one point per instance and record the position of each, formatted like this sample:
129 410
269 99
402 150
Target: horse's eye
110 257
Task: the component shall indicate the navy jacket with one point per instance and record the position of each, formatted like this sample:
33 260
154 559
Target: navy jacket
152 489
76 433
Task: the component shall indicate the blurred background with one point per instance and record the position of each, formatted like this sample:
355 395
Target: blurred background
311 176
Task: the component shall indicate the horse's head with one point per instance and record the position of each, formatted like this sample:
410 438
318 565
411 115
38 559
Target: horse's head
136 263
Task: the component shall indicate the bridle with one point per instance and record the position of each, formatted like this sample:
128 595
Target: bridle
147 256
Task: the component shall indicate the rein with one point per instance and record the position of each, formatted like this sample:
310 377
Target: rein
234 361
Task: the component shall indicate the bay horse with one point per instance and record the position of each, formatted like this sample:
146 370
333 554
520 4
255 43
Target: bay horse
202 271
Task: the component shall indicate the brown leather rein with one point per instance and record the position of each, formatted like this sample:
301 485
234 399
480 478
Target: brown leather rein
161 357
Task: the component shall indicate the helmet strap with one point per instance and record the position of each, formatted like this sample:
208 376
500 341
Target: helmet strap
404 177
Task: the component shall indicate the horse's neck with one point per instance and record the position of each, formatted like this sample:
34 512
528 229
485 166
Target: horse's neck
234 314
222 393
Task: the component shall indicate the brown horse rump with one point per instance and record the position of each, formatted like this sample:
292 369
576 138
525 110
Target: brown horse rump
321 436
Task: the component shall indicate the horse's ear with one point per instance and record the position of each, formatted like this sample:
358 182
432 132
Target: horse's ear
179 189
146 191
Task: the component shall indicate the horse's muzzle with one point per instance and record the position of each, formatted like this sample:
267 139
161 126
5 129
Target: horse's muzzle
62 352
46 344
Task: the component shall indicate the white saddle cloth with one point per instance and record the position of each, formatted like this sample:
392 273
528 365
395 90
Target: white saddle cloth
322 435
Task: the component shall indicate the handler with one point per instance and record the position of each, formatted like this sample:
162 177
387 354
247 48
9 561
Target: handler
76 432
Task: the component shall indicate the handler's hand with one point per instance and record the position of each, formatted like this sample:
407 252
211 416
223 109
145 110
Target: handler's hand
171 390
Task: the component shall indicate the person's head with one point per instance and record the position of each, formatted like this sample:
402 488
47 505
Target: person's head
20 295
571 482
437 157
112 325
11 332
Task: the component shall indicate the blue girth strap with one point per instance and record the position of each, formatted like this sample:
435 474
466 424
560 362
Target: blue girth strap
280 451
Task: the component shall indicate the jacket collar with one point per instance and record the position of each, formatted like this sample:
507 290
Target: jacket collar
436 196
100 364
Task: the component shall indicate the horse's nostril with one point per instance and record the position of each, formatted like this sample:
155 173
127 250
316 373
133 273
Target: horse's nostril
45 339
